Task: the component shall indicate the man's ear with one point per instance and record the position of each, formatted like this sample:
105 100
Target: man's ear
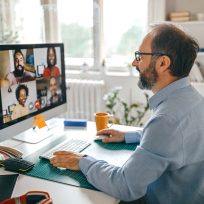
163 63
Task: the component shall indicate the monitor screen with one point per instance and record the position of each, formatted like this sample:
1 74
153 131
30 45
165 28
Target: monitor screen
32 79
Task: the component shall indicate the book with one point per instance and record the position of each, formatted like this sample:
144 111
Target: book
179 14
182 18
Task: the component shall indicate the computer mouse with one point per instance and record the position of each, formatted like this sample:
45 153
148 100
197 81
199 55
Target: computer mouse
17 165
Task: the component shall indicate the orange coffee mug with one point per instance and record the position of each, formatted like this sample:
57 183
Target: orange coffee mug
102 119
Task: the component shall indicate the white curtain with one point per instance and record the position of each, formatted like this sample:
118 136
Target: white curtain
51 22
156 11
6 18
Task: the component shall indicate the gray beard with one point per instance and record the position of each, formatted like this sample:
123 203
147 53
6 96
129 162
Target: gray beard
143 84
148 82
19 71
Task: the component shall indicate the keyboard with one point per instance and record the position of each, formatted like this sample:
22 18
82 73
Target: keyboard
74 145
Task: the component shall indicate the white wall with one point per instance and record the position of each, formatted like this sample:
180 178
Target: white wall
129 94
194 6
130 91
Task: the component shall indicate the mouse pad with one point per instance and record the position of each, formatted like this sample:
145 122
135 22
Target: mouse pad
43 169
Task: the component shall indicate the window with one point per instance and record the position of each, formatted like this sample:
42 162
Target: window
124 27
95 33
76 25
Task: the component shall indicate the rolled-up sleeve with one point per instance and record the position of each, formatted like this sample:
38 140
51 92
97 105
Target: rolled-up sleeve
145 165
133 136
128 182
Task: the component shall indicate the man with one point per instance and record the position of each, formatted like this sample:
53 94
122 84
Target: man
168 165
55 97
19 75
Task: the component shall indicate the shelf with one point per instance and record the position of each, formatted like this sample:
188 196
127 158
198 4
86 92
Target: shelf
188 22
197 83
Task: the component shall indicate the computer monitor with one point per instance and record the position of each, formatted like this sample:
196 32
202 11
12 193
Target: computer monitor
32 79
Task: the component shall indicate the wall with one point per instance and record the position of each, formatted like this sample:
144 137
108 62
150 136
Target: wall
130 91
196 6
129 94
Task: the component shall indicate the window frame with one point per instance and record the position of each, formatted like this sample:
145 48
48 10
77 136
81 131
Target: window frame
98 49
52 35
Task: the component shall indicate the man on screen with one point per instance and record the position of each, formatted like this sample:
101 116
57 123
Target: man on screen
55 97
20 74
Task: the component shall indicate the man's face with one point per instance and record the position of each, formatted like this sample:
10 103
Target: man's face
51 57
19 64
22 97
53 86
148 77
146 66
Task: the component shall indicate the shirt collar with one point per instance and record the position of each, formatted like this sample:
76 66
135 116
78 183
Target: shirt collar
156 99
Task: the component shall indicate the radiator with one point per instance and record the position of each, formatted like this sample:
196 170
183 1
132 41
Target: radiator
85 97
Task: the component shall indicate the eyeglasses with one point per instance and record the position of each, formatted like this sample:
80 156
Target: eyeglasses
138 54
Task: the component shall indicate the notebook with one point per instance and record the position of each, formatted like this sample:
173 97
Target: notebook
7 184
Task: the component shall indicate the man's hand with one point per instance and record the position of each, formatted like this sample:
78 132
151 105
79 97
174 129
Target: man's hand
112 135
66 159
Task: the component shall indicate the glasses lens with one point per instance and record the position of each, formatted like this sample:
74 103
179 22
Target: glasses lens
137 56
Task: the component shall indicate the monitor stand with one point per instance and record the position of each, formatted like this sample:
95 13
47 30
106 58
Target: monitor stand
35 135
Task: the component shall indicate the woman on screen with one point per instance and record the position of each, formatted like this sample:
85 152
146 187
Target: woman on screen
51 70
20 109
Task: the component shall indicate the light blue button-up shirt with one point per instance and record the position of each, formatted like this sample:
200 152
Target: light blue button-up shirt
168 165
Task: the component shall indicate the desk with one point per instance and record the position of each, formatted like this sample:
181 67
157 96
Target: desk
62 193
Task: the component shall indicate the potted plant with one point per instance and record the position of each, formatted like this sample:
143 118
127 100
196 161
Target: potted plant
124 113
